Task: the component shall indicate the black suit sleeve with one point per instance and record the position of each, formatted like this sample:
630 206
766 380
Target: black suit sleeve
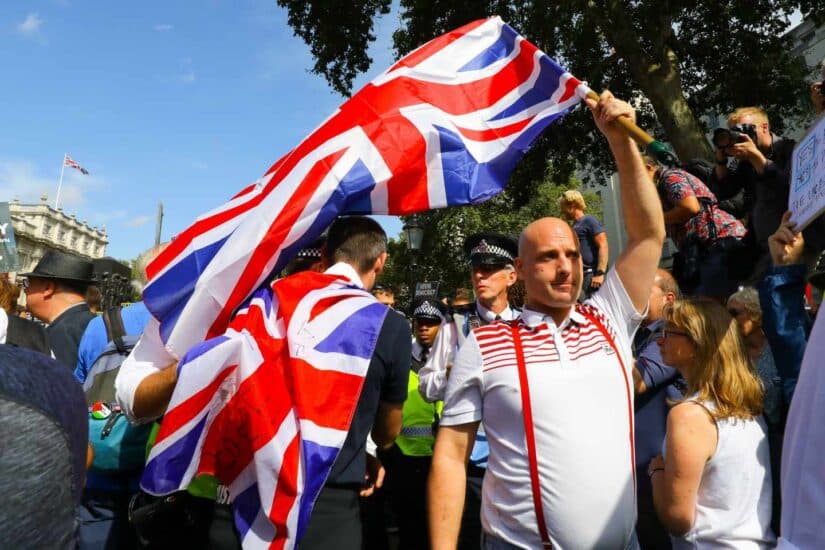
394 351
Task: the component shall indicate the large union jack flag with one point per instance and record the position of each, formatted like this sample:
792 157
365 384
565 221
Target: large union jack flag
443 126
266 406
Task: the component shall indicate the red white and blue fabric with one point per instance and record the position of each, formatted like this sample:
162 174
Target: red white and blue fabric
67 161
443 126
266 407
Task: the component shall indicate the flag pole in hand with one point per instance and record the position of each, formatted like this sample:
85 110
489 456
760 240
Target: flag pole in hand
654 147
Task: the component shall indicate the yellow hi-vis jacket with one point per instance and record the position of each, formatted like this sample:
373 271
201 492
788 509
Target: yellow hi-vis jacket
417 437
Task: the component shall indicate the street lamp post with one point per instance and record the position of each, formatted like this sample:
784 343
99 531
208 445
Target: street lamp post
415 236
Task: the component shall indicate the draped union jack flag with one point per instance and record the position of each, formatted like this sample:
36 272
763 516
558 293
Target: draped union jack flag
266 406
443 126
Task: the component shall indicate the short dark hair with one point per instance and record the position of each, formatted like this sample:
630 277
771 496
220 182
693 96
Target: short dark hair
463 294
71 287
94 298
356 240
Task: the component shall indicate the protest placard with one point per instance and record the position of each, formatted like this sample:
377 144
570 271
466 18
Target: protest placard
807 195
425 291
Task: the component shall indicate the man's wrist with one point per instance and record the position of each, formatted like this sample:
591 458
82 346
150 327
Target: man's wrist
598 272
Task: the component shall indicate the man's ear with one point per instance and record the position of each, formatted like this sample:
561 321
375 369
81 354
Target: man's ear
378 266
670 298
49 289
512 277
519 269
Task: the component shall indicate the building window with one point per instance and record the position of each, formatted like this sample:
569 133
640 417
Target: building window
85 246
74 242
61 235
47 229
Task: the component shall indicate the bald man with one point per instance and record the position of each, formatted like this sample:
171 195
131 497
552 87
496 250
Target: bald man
554 388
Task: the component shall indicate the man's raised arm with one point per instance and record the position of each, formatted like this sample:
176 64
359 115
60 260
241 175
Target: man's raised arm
641 209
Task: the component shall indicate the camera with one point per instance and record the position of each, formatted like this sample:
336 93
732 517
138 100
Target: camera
725 137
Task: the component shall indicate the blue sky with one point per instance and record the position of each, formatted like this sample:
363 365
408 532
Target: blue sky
180 102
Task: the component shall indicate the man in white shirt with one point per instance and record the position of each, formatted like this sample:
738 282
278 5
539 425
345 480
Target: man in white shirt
554 390
492 272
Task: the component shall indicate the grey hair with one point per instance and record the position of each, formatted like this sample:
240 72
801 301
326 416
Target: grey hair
142 261
749 298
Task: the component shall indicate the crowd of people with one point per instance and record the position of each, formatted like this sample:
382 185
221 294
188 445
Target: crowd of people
560 403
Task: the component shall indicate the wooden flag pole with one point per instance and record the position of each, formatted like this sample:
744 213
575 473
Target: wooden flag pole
656 148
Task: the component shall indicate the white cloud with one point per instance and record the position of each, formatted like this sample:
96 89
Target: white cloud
22 179
30 25
162 27
138 221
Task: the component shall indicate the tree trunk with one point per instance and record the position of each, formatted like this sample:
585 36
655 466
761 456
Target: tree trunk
663 87
658 76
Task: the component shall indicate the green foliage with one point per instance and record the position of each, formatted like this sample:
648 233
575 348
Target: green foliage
338 33
442 255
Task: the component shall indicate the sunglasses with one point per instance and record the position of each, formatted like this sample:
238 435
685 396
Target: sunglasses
23 283
735 312
667 333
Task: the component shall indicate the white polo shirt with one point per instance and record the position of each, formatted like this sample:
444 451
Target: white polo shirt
582 403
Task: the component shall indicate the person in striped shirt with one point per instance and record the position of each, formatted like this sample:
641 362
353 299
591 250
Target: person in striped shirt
554 387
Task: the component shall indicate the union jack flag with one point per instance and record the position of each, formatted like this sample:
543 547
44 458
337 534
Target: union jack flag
67 161
266 406
443 126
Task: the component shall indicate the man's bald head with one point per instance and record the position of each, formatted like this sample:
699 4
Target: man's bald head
550 265
664 290
665 281
543 226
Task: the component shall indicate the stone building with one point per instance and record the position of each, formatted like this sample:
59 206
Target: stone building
39 227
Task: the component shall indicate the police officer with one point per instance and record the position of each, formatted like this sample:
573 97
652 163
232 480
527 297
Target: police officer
408 462
491 257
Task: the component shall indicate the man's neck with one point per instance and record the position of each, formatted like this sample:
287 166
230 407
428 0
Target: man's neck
59 308
558 314
497 304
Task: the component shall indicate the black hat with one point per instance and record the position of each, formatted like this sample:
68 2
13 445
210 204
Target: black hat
490 249
62 266
817 278
313 250
430 310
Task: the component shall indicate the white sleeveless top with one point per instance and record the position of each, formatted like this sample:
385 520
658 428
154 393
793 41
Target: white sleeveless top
733 504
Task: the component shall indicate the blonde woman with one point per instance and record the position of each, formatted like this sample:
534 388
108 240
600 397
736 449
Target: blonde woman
712 488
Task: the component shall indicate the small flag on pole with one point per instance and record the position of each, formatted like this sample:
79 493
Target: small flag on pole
67 161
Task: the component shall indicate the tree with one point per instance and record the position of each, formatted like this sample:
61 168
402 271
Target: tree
442 257
675 59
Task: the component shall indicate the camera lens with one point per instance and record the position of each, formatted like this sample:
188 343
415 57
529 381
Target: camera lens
722 138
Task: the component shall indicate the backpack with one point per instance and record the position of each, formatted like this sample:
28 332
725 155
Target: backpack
119 447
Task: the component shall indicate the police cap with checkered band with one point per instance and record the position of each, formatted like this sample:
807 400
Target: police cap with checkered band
490 249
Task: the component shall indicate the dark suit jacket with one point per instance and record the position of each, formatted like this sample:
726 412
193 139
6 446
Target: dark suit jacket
66 331
23 333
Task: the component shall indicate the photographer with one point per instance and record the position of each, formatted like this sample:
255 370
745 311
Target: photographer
756 187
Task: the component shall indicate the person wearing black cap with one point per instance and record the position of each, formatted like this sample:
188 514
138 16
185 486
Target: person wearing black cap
491 257
56 294
408 462
308 258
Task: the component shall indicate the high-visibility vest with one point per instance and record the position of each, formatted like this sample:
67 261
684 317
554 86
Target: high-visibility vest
418 416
